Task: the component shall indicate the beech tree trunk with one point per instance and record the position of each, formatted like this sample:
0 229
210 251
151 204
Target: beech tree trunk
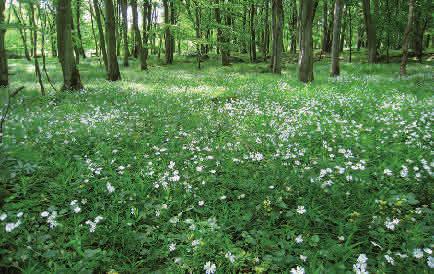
168 37
266 36
4 76
101 33
305 61
22 33
371 32
79 37
252 33
35 46
336 37
110 30
277 23
147 24
124 7
71 75
137 36
293 27
405 40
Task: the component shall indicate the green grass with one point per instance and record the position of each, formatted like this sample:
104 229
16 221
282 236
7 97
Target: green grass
251 146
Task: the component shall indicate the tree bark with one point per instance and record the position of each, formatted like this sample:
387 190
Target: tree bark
137 35
22 32
371 32
110 30
252 34
4 76
35 46
168 36
266 36
71 75
101 34
293 47
124 7
79 37
277 23
305 61
335 70
147 24
405 40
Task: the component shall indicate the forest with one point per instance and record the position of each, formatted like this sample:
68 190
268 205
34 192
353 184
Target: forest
216 136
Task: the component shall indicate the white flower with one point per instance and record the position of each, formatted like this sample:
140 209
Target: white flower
3 216
110 188
389 259
44 214
427 250
298 270
77 209
430 261
209 268
172 247
390 224
417 253
195 243
303 258
360 266
341 238
20 214
301 210
299 239
199 168
230 257
388 172
11 226
51 220
201 203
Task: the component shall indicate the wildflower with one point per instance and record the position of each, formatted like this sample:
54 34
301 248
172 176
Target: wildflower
230 257
299 239
51 220
341 238
389 259
360 266
417 253
195 243
3 216
298 270
209 268
9 227
172 247
388 172
427 250
20 214
303 258
201 203
430 261
390 224
110 188
301 210
45 214
92 225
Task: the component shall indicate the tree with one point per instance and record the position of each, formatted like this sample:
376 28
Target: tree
277 24
4 77
79 36
113 73
101 33
305 61
405 40
221 36
371 31
124 7
336 36
35 45
168 39
71 75
138 38
252 33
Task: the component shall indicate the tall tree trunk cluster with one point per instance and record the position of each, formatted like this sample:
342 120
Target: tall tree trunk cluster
113 73
169 21
305 60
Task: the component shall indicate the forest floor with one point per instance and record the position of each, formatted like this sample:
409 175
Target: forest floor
176 170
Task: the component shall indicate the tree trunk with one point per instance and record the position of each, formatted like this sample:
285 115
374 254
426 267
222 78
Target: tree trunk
110 30
325 23
22 32
93 28
403 67
168 39
4 76
266 36
137 35
277 23
371 32
71 75
35 47
294 27
79 37
147 23
305 62
335 71
221 36
252 34
101 33
124 7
